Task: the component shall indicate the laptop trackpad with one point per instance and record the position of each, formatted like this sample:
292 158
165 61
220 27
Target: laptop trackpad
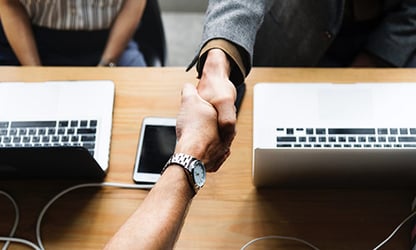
345 104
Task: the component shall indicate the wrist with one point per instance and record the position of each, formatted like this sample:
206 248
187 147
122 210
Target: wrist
193 149
236 56
216 63
193 168
178 180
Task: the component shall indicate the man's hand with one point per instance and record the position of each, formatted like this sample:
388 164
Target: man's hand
197 130
216 88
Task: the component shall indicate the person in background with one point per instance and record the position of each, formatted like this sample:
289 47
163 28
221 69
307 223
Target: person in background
70 33
297 33
157 222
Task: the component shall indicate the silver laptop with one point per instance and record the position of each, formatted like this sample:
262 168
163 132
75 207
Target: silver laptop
334 135
58 129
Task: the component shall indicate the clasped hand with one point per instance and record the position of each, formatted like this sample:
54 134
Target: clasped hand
198 132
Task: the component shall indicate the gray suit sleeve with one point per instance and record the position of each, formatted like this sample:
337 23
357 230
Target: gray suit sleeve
236 21
394 40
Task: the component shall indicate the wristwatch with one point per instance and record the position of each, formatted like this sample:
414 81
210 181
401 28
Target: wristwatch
194 169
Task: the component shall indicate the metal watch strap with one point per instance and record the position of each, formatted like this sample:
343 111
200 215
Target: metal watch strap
183 160
180 158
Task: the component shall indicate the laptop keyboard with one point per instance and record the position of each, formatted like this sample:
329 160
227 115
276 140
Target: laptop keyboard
346 138
81 133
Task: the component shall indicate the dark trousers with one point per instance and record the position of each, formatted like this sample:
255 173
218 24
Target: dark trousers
70 48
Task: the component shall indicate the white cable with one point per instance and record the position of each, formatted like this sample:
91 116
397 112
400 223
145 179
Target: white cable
103 184
280 238
21 241
142 186
315 248
16 219
395 230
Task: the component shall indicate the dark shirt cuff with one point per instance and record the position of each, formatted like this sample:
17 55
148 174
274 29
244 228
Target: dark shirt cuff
238 69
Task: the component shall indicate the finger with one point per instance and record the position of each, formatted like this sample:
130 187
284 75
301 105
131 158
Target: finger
192 91
186 95
216 164
227 119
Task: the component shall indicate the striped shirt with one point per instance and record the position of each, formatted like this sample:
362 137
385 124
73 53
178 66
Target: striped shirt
73 14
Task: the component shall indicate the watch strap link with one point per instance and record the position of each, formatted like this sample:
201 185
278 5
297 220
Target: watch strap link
181 159
184 161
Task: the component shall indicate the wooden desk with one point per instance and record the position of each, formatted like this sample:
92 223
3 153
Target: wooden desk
229 211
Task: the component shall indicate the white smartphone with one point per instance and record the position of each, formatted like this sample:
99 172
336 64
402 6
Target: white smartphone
156 145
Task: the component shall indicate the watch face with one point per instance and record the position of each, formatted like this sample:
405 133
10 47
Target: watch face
199 173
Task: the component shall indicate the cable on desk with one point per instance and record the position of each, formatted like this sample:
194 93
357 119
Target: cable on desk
103 184
16 219
51 201
395 230
413 214
279 238
21 241
142 186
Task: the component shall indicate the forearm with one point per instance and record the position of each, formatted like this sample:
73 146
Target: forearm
14 18
123 29
157 223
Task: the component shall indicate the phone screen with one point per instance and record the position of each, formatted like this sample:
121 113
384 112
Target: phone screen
158 145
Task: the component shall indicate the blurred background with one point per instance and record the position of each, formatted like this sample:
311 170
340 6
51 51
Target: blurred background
183 21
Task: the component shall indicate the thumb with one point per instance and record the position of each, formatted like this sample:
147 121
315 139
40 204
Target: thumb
227 118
